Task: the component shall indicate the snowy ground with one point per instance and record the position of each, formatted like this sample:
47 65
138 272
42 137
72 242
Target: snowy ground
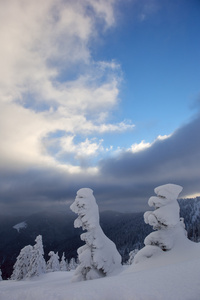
178 279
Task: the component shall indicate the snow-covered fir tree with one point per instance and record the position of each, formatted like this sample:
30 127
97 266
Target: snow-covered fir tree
37 263
63 263
53 263
72 264
131 256
165 220
99 256
22 265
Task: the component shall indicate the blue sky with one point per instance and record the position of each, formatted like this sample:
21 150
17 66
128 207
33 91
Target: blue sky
159 57
93 94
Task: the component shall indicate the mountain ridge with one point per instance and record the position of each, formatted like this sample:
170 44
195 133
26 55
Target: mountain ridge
126 230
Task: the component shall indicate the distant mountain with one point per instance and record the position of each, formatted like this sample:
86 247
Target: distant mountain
126 230
56 228
59 235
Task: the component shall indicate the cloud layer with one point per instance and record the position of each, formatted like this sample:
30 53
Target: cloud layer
56 102
124 182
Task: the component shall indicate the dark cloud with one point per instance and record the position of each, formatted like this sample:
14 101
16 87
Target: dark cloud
31 191
124 183
176 160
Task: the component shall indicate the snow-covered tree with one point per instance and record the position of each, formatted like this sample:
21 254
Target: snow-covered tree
22 265
63 263
131 256
99 256
0 275
53 263
72 264
165 220
67 265
37 262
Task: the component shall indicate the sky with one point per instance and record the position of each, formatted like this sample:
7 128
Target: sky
102 94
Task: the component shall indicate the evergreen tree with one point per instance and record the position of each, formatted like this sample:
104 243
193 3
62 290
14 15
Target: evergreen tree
22 264
165 220
53 263
37 263
63 263
67 265
99 256
131 256
72 264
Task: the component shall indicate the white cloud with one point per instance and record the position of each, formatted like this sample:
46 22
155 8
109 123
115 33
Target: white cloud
164 137
137 147
104 9
48 79
82 149
20 135
120 127
41 39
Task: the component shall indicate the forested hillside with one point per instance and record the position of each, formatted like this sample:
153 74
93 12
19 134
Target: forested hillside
127 231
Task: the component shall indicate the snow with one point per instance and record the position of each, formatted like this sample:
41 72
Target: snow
19 226
86 208
170 228
172 278
166 206
53 263
37 263
99 256
22 264
169 191
154 274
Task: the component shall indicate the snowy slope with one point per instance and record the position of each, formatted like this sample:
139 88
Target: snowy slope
167 268
175 275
